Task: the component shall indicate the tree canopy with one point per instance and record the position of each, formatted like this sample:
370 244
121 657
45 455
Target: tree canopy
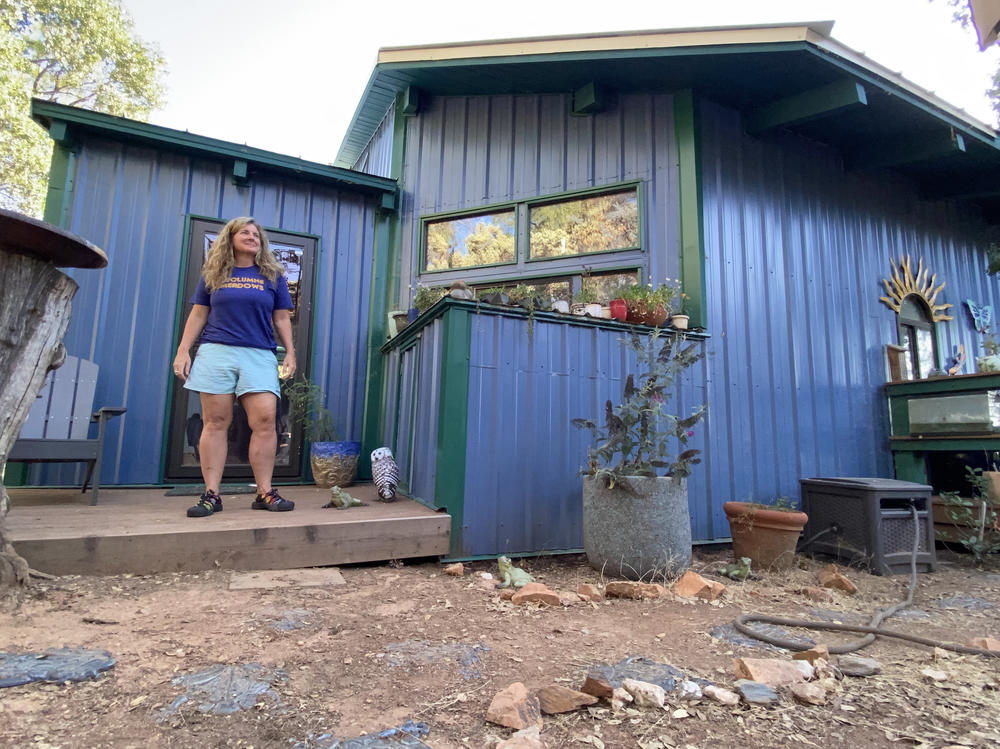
83 53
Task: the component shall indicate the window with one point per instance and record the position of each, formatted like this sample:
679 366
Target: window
916 334
542 242
469 241
601 223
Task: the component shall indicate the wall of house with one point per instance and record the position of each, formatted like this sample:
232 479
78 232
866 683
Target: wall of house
376 158
795 252
463 152
132 202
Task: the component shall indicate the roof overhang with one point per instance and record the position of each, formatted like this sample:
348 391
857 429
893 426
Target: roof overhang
793 77
67 125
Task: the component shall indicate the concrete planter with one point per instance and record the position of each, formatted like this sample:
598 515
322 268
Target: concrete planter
645 537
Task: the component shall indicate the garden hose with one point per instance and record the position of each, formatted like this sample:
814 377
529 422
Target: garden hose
743 622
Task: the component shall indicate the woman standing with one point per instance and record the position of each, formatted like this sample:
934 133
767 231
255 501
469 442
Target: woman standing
241 302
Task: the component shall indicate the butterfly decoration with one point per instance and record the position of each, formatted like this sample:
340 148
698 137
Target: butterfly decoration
982 315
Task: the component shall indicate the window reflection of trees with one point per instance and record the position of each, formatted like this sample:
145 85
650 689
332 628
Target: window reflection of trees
469 241
592 224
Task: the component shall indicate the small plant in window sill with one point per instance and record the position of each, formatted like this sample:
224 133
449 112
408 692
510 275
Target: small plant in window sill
426 296
990 361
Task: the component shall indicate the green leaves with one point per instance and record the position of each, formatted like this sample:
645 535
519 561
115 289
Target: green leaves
638 435
83 53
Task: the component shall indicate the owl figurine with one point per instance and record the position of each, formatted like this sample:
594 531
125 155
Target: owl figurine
385 473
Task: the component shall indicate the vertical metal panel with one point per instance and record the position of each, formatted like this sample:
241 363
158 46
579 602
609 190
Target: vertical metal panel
412 399
795 250
376 158
466 152
522 488
133 202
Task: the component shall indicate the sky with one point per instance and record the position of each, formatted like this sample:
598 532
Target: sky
287 75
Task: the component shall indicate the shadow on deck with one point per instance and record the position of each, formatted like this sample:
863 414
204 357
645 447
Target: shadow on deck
142 531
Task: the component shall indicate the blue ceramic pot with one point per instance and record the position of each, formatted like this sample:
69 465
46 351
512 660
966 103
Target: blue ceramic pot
334 463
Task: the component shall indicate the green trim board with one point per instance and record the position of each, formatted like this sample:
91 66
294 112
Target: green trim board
692 251
123 129
385 258
453 418
807 105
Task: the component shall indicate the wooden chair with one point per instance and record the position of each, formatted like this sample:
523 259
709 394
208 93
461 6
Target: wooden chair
57 427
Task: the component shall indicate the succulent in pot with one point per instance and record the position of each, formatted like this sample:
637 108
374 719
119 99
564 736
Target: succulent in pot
648 304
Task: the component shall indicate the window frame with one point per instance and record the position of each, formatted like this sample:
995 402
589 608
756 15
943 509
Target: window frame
927 322
524 267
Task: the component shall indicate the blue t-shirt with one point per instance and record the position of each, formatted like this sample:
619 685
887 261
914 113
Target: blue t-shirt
239 311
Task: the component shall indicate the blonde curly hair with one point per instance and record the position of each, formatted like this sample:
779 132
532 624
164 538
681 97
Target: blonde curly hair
218 267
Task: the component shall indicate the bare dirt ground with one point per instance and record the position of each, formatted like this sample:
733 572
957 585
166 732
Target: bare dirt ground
398 642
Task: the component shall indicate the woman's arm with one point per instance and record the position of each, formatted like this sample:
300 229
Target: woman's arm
192 329
282 320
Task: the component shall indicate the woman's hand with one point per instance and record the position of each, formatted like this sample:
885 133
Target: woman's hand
182 365
287 369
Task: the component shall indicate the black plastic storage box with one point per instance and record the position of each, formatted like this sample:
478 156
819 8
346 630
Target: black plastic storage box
874 524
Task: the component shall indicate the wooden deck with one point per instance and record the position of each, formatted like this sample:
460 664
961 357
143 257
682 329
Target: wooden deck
142 531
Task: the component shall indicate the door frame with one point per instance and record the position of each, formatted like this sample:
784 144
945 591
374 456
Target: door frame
172 469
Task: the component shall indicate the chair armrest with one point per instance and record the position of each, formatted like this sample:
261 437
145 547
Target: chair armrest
107 412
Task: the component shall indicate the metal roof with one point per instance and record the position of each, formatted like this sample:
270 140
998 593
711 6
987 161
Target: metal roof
120 128
749 68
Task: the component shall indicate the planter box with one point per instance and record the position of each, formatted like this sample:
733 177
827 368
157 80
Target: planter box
945 527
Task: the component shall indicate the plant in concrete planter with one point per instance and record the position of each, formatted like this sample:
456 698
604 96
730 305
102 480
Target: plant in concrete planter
765 533
635 512
334 462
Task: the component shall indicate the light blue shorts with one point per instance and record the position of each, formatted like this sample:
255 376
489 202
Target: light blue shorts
221 369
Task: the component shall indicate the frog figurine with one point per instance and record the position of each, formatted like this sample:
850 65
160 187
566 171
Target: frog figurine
511 576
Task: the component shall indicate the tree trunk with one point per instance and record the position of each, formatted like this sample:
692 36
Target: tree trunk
34 314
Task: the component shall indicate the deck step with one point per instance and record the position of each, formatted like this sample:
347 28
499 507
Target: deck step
141 531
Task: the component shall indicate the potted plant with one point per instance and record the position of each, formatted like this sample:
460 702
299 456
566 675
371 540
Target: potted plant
636 521
426 296
649 305
679 319
767 533
586 301
334 462
990 362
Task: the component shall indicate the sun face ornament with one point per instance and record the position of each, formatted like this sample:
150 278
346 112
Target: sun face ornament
385 473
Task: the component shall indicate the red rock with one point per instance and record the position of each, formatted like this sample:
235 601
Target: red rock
536 593
515 707
829 577
598 687
507 593
557 699
817 652
639 591
589 592
815 594
773 672
985 643
456 570
566 598
693 585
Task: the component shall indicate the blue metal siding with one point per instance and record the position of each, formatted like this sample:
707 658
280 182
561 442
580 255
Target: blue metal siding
133 202
795 252
522 488
466 152
413 379
376 158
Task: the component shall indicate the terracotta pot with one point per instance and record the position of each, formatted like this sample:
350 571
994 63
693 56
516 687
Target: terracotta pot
641 313
768 537
619 309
